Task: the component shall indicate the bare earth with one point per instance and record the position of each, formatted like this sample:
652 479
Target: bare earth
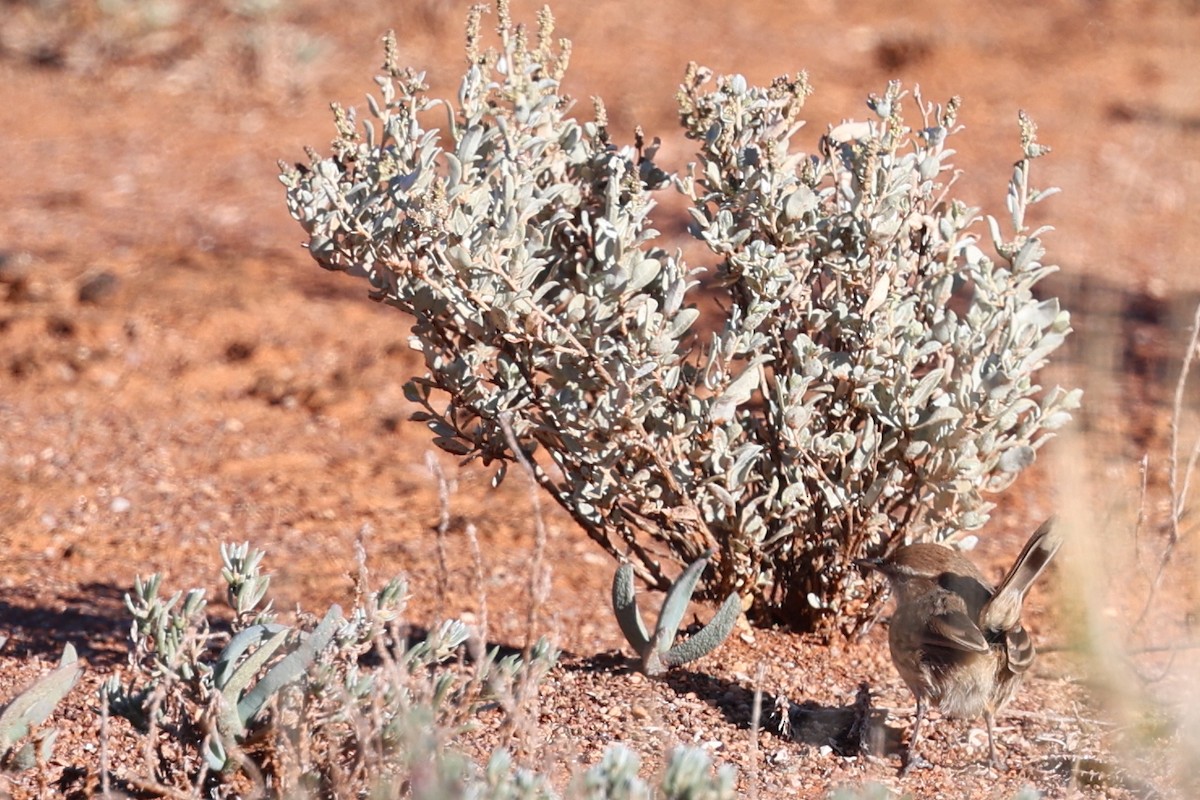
176 373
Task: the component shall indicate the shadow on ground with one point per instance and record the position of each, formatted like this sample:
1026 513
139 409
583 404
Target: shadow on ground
93 618
848 730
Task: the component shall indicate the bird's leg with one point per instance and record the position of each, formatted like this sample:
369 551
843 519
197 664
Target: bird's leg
993 761
911 757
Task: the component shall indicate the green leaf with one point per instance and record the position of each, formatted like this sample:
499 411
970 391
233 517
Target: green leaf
644 271
452 446
215 754
235 680
737 393
939 416
682 321
799 203
1016 459
925 388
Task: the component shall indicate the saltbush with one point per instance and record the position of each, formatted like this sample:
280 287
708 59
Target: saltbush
866 373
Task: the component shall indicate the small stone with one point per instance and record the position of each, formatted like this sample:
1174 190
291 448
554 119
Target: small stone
99 288
639 712
15 275
120 505
239 351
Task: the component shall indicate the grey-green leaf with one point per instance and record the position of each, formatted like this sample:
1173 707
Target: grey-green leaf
34 705
292 666
709 637
625 606
676 602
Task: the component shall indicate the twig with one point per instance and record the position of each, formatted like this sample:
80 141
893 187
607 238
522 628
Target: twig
151 785
105 788
443 572
539 585
157 698
1144 469
1180 498
478 645
1163 648
480 586
1178 493
1132 651
755 722
1043 716
362 583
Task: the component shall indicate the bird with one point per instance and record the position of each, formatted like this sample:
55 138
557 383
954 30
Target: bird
955 640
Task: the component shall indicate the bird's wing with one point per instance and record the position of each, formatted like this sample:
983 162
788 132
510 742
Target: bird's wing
955 630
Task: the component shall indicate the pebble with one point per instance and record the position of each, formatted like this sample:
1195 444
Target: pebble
120 505
99 288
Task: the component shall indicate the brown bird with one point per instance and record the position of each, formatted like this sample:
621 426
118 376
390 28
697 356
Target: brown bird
955 640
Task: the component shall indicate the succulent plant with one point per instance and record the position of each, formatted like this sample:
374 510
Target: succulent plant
233 674
36 703
305 690
689 776
171 651
660 652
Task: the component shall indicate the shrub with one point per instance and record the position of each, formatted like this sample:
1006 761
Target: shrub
872 377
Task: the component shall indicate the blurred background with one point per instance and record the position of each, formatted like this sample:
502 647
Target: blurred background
158 122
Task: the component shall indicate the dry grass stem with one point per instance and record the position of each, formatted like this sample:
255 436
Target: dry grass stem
443 527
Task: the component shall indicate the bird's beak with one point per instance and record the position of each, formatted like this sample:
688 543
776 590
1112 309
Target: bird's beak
873 564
